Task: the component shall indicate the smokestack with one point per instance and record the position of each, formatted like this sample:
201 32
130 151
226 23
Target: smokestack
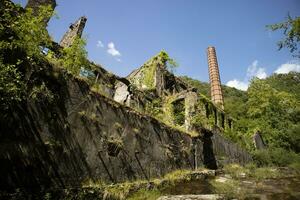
214 77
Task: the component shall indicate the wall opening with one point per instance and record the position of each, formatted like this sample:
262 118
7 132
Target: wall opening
179 112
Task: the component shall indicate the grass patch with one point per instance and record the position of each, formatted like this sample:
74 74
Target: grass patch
145 194
178 174
230 189
141 189
252 171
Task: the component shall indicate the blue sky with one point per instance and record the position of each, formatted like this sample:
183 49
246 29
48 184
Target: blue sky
132 31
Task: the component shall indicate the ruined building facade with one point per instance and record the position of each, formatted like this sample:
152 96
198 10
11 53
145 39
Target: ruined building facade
115 130
214 77
75 30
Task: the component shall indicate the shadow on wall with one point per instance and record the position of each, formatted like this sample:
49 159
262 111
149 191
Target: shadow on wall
209 159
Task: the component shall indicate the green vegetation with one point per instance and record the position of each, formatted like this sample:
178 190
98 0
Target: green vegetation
154 108
170 63
11 85
142 189
234 99
74 58
202 87
251 170
145 194
22 37
178 112
148 70
23 33
271 106
243 181
230 189
291 31
41 93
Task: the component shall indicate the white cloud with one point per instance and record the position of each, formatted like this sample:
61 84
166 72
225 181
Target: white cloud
112 50
252 68
238 84
288 67
255 71
100 44
252 71
261 73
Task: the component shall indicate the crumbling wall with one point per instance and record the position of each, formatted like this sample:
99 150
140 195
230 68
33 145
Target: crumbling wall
82 135
227 151
75 30
154 76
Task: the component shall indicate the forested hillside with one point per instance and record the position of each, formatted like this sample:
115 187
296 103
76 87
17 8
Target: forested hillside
270 106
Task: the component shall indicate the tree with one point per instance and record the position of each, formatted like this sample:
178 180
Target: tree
74 58
170 62
291 30
22 38
22 32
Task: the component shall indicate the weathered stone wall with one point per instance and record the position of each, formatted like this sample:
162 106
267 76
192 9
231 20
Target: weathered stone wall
227 151
83 135
86 136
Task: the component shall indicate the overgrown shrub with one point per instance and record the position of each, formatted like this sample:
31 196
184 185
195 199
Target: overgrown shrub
11 85
23 35
41 93
74 58
275 157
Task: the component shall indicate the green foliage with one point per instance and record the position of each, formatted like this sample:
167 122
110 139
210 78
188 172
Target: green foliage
149 73
41 93
291 31
148 70
74 58
230 189
11 85
251 170
289 83
234 99
271 105
169 62
154 108
100 89
202 87
275 157
22 38
265 101
199 120
274 112
178 112
145 194
24 32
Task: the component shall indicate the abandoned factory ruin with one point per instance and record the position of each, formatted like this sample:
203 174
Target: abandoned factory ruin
123 128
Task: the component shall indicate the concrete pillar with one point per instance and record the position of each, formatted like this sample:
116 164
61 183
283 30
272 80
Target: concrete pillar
214 77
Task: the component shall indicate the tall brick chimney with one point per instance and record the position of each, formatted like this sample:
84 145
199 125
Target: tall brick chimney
214 77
